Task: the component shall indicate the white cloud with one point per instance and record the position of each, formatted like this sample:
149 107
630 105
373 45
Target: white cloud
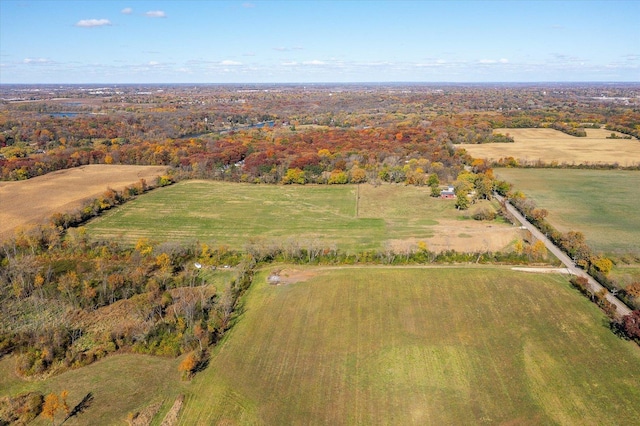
314 62
494 61
228 62
90 23
153 63
289 64
288 49
436 63
127 11
37 61
156 14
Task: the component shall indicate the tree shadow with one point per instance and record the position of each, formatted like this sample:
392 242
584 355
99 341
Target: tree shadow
202 365
80 407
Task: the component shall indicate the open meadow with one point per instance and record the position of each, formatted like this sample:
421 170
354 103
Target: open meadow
417 346
36 199
602 204
549 145
348 217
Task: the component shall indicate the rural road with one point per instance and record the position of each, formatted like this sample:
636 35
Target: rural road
621 308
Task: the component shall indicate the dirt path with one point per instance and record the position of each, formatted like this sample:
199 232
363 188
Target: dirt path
621 308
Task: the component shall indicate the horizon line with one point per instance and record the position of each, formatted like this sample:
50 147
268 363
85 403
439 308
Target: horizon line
329 82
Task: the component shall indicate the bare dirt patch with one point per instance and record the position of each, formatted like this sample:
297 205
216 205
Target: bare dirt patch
171 418
35 200
551 145
290 276
463 236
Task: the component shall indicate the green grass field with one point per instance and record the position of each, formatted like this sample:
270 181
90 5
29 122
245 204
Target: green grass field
418 346
602 204
322 215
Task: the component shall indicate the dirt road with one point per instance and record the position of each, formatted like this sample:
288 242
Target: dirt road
595 286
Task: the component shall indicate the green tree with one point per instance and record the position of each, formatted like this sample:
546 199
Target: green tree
484 187
462 202
502 187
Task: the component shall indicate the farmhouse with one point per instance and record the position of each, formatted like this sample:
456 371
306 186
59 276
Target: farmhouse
448 193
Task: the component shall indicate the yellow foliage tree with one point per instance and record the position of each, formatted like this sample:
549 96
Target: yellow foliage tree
188 365
358 175
51 406
602 264
143 246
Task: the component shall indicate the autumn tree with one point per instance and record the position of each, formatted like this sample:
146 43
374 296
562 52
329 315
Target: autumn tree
631 324
538 250
51 406
188 365
294 176
357 175
633 289
539 214
484 187
602 264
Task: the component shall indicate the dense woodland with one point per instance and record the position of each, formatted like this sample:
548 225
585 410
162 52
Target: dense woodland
324 134
262 133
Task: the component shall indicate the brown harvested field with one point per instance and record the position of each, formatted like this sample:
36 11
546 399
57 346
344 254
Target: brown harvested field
551 145
34 200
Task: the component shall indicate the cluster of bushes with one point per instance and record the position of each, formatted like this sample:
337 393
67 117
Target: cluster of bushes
569 130
500 138
510 162
21 409
622 129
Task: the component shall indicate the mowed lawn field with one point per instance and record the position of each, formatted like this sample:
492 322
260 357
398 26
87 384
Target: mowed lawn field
602 204
418 346
549 145
347 217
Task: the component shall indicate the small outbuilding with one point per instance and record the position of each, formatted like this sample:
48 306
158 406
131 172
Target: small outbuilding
448 193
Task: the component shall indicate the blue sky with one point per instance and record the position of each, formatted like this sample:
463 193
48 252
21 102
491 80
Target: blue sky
113 41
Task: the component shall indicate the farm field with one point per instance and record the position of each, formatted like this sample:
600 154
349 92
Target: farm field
602 204
417 346
347 217
551 145
34 200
